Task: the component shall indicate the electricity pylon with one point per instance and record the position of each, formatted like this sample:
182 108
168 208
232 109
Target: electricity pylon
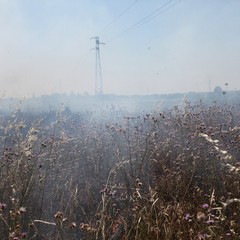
98 70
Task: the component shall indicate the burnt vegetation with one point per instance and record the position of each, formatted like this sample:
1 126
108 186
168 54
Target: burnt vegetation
117 175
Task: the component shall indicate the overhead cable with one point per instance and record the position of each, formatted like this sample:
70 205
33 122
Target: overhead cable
163 8
120 15
142 22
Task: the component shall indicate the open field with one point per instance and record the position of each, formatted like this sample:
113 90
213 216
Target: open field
113 174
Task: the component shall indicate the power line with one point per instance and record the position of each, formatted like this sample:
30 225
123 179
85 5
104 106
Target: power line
154 16
146 18
163 8
120 15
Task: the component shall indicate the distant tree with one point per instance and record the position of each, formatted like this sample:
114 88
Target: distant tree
218 90
226 85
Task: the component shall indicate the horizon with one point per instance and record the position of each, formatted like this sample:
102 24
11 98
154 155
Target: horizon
86 94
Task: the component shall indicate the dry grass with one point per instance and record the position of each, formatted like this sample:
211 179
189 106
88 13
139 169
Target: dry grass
168 175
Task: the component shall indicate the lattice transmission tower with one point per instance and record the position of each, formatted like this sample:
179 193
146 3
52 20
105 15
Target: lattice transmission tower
98 70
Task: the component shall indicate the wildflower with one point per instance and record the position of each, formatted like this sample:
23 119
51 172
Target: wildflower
104 190
139 184
112 193
31 225
58 215
202 236
2 206
22 209
205 206
210 221
200 215
84 226
72 225
137 180
24 235
187 216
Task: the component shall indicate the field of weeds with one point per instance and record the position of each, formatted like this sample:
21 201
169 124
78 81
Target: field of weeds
117 175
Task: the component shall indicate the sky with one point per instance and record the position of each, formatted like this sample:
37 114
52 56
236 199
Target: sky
185 46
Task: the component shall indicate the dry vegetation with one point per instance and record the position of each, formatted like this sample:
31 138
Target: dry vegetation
113 175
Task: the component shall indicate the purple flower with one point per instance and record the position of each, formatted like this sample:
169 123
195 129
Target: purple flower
24 235
187 216
202 236
210 221
2 206
205 205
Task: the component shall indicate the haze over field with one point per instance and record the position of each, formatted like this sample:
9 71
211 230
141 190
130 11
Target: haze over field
184 46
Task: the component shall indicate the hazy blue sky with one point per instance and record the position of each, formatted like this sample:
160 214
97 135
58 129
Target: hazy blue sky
44 46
